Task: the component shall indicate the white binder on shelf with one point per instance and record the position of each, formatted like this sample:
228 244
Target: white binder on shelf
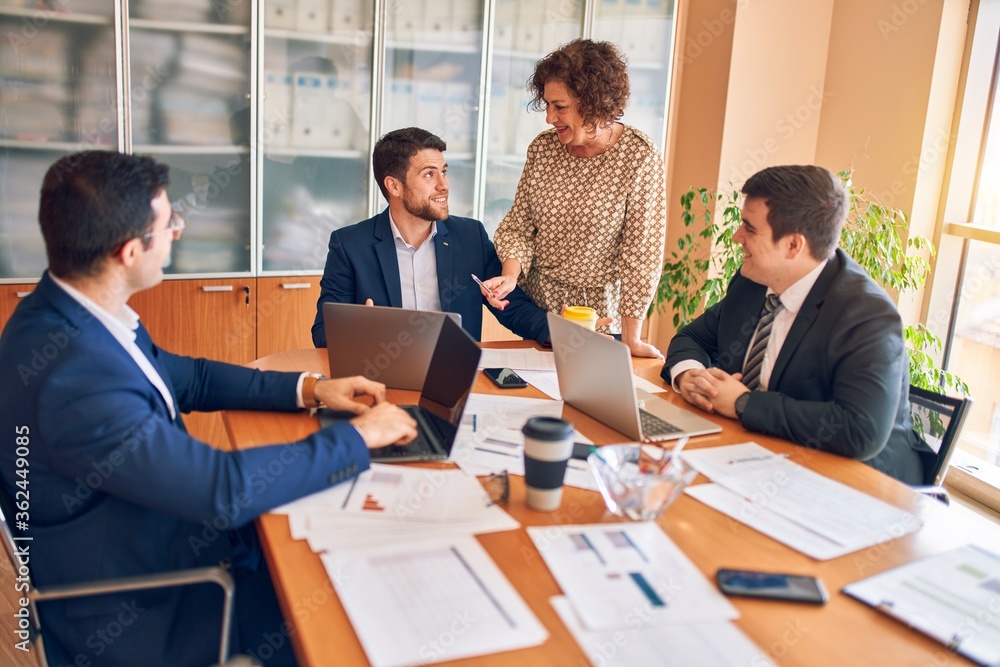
312 15
277 108
308 109
280 14
345 16
339 124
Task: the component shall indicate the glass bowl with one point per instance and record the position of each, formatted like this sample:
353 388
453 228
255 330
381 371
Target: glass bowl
639 482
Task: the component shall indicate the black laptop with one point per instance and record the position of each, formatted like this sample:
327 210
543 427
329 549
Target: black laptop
449 380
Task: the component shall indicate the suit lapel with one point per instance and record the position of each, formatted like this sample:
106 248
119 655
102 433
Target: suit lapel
385 251
444 259
145 344
805 319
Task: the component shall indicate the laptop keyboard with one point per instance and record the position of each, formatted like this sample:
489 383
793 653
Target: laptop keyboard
653 426
419 446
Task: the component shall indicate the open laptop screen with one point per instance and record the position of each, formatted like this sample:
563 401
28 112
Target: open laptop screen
451 373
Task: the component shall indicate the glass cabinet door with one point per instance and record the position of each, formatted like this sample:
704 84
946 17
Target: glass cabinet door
189 99
523 32
643 30
58 95
433 62
315 127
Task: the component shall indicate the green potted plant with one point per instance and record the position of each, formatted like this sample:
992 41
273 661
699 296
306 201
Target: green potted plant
696 274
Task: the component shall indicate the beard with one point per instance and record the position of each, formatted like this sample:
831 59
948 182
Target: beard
425 209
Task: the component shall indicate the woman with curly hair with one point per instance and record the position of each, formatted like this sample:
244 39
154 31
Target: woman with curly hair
588 222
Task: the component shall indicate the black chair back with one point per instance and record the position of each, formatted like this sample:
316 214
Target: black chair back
937 420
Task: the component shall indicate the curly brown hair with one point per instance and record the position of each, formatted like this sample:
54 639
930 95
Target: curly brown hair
595 72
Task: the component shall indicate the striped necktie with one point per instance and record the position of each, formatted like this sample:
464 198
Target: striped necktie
755 360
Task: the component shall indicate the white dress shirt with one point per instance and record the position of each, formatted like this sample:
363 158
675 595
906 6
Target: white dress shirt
791 302
418 277
122 327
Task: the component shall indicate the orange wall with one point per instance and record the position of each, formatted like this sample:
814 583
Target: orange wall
839 83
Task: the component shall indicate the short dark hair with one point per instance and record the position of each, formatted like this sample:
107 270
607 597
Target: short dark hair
392 153
805 200
595 72
93 202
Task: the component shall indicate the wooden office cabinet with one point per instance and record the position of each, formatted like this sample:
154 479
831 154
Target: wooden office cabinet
203 318
285 310
10 296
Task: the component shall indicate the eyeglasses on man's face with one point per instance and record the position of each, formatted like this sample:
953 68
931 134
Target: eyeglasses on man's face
175 226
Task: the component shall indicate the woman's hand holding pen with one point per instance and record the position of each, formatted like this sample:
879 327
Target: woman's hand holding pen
490 294
505 283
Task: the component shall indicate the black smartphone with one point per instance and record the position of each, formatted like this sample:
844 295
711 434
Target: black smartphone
581 451
789 587
505 378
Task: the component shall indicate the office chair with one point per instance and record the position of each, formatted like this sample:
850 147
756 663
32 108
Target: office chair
937 420
217 575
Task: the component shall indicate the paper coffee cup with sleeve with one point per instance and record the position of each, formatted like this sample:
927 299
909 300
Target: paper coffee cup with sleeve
548 444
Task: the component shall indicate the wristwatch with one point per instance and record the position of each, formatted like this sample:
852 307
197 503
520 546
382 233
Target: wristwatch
741 404
309 390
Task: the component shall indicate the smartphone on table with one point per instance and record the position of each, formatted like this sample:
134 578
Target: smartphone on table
505 378
788 587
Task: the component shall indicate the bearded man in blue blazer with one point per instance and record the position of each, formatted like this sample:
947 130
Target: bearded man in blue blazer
824 365
117 486
414 254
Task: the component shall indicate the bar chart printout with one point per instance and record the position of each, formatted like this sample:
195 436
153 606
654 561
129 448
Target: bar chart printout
430 601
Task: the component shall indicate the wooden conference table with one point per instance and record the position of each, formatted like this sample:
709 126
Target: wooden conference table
842 632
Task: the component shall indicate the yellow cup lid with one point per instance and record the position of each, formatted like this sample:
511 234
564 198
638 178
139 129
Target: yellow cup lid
580 313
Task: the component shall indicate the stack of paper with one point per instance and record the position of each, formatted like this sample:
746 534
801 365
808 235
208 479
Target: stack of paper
803 509
390 503
489 439
429 601
630 580
397 545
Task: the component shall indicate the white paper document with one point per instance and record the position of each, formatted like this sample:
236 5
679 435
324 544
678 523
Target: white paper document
809 512
489 438
952 598
611 572
546 382
646 385
430 601
395 503
704 644
518 359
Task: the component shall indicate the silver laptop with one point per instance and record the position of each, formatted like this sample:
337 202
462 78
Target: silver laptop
450 377
595 377
389 345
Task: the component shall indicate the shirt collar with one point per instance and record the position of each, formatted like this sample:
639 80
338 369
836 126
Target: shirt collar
121 326
793 297
399 237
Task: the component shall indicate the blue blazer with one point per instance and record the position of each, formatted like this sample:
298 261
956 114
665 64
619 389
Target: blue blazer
361 264
118 488
841 381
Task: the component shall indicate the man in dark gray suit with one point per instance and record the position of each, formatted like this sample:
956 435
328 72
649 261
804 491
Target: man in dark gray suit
805 345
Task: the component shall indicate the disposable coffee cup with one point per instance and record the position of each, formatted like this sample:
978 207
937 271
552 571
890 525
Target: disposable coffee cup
548 444
582 315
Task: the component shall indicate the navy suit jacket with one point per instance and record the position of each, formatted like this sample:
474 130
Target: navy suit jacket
118 488
361 264
841 380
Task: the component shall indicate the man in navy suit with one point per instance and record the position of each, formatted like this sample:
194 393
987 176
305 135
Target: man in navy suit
117 486
827 365
413 254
